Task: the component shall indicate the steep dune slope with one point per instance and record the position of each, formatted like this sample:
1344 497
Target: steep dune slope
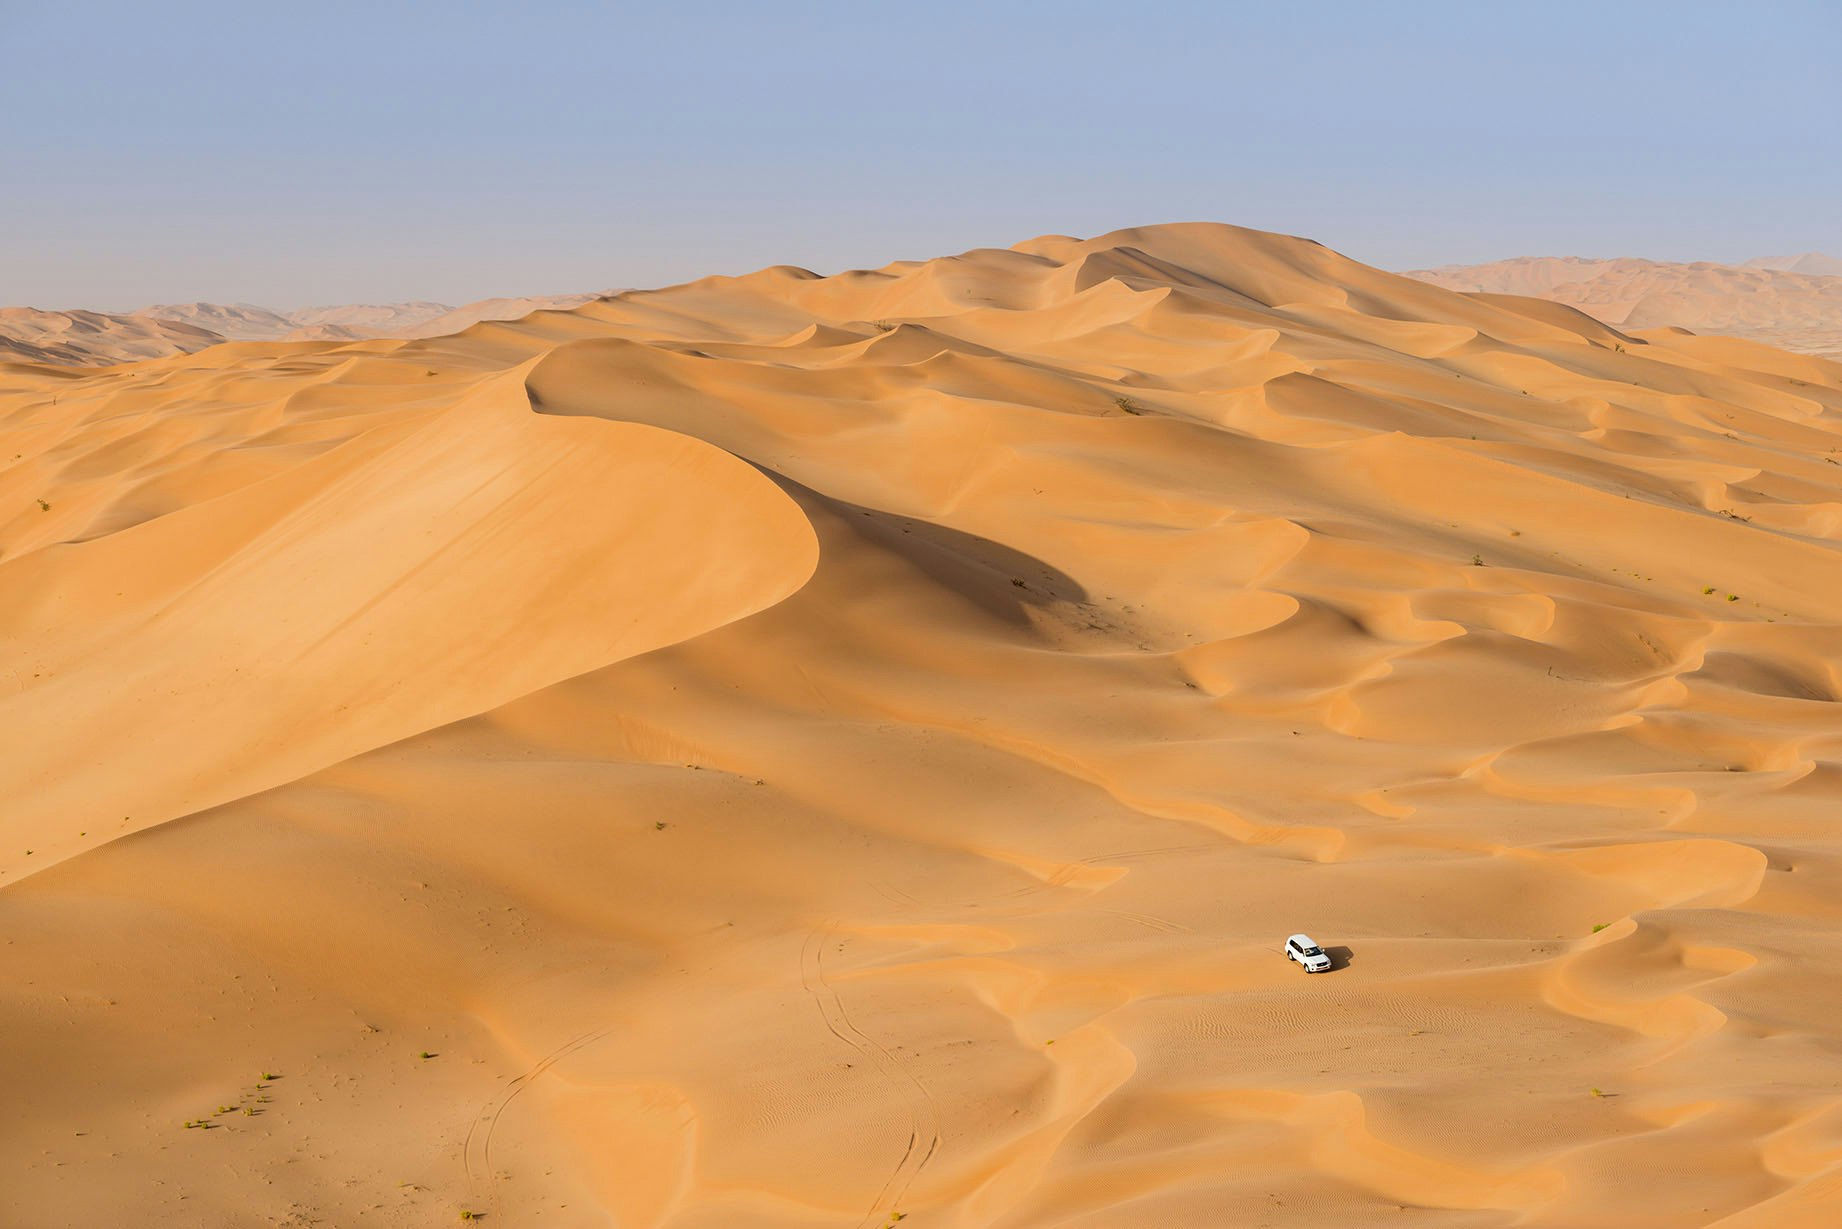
788 751
354 582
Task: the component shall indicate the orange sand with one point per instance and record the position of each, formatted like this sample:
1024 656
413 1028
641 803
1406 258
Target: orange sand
800 751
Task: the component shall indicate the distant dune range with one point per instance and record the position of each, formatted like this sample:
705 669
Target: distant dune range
85 338
352 322
843 751
1789 301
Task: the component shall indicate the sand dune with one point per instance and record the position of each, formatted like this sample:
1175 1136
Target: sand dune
249 322
1794 302
371 319
85 338
237 321
792 750
455 319
355 321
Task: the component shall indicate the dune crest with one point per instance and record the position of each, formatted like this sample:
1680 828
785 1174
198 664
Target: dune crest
792 750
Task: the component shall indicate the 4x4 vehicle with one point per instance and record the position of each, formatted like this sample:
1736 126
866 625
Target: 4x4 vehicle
1305 950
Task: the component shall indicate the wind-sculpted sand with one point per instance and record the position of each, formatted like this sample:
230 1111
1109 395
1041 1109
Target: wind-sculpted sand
831 751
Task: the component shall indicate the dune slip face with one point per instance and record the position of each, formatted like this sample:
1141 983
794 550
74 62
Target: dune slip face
788 750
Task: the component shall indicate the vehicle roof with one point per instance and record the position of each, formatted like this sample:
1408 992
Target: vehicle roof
1303 940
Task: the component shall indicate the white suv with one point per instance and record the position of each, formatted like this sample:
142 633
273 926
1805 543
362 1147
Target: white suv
1304 949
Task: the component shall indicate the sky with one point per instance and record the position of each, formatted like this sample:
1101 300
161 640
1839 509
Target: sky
291 154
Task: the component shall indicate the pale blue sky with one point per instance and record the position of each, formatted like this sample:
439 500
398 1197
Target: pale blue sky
333 152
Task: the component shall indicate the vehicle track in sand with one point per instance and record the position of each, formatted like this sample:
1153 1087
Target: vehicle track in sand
923 1111
476 1152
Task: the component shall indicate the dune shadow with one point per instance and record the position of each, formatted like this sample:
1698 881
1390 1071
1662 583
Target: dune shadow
1000 580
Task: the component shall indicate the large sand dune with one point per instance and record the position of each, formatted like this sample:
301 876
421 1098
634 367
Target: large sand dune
830 751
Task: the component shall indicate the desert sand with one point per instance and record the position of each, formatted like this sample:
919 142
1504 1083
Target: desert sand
836 751
1793 302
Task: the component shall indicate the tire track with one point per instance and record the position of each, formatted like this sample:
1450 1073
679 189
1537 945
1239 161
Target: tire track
476 1152
1150 922
923 1110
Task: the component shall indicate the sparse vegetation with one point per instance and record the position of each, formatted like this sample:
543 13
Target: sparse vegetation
43 506
427 1055
1707 588
658 826
1128 405
1601 926
1477 561
1733 597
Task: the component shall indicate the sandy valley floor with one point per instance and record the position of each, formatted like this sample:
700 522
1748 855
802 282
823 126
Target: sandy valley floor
793 751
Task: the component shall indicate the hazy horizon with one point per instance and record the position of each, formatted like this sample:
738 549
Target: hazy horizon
286 308
385 154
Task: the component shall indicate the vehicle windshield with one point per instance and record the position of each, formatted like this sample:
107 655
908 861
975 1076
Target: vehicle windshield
1313 951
